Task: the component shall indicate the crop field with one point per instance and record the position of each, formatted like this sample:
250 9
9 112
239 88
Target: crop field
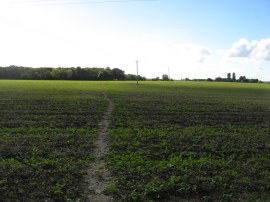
169 141
192 141
46 138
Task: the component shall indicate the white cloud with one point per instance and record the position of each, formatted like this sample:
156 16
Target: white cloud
194 52
261 50
254 50
204 54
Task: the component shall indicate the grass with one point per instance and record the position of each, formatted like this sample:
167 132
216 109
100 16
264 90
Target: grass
169 140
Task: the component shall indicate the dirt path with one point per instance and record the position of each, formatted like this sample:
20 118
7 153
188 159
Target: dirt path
98 177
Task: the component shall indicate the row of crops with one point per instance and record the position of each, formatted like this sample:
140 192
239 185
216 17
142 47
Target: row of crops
194 141
168 140
47 132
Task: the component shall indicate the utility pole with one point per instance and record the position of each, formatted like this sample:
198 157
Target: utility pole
169 72
137 66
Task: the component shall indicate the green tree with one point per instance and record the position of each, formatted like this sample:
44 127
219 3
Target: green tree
131 77
118 74
105 74
155 79
233 77
229 77
242 79
165 77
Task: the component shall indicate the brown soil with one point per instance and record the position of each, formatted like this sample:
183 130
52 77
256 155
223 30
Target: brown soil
98 176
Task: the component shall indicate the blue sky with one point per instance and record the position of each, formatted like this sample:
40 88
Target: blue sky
193 38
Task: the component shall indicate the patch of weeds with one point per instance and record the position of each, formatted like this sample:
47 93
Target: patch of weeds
112 189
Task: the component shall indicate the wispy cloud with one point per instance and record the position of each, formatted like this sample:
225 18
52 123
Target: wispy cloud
195 53
204 54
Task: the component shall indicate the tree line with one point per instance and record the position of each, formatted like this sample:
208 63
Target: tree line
232 78
63 73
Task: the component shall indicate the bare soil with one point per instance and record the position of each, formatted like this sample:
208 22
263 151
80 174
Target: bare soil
98 176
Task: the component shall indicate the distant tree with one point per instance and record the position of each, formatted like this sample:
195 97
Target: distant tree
68 73
165 77
27 74
141 78
131 77
44 72
118 74
242 79
209 79
108 73
79 73
11 72
55 73
229 77
218 79
233 77
155 79
104 74
186 79
253 80
72 73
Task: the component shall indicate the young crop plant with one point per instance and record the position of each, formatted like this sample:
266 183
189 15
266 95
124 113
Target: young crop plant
191 141
47 133
175 141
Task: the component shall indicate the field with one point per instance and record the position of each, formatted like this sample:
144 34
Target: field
46 138
168 140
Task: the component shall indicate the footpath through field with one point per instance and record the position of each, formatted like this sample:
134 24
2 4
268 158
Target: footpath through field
98 176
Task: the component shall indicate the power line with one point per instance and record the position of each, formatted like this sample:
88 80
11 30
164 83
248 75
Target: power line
30 1
75 3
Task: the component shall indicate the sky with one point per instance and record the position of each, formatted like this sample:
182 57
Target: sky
182 38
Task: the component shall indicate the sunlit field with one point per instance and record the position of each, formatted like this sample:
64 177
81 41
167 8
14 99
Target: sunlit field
168 140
